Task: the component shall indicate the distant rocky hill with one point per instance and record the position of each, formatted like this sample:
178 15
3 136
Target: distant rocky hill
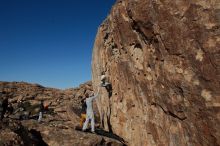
163 60
58 125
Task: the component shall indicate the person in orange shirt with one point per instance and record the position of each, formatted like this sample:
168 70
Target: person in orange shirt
83 112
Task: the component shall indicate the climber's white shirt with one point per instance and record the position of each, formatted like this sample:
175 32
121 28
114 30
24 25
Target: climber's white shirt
103 77
89 108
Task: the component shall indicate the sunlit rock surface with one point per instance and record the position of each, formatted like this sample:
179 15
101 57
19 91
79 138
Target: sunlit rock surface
162 58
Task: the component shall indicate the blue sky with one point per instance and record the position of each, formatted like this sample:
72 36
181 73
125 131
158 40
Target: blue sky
49 42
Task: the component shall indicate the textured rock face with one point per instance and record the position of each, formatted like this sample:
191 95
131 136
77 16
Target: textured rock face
163 60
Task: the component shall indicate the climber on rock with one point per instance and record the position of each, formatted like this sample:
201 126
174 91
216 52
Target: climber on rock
89 112
106 84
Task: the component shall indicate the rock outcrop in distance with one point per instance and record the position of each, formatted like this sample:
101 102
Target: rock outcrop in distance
58 125
162 58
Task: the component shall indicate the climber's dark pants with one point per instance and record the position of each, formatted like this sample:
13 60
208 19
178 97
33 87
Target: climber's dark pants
108 87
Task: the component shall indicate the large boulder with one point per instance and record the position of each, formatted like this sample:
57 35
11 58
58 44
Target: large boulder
162 58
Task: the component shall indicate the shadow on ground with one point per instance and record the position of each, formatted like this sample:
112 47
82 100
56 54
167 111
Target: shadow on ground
104 133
